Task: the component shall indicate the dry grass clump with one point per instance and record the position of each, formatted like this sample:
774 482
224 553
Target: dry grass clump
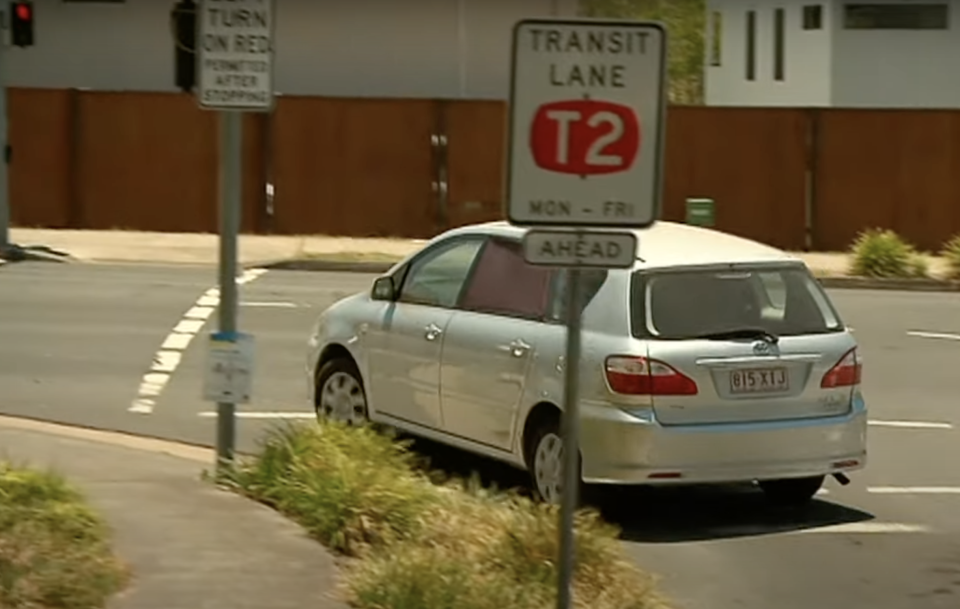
55 552
420 545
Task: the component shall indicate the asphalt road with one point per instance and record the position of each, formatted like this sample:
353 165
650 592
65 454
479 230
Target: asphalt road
77 341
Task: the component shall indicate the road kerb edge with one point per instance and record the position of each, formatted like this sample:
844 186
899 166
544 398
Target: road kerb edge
181 450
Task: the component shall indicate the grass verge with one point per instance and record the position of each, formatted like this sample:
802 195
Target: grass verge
416 544
55 552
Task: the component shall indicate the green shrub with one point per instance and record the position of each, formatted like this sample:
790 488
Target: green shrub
951 253
882 253
350 488
423 545
55 552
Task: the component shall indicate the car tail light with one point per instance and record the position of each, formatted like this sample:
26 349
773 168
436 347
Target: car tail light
631 375
846 373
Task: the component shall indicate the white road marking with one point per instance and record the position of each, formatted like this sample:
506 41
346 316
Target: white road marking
914 490
268 304
866 527
906 490
263 415
189 326
911 424
166 360
940 335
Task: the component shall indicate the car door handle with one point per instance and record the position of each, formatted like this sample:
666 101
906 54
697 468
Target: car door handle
432 332
517 348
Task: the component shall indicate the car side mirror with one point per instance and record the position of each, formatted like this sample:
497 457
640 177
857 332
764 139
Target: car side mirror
384 289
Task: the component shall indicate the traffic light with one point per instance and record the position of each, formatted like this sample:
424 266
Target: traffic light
183 19
21 24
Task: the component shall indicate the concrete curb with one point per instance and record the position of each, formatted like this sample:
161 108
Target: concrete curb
328 266
907 285
845 283
34 253
180 450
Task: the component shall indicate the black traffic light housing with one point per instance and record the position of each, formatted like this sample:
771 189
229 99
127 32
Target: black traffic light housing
21 24
183 19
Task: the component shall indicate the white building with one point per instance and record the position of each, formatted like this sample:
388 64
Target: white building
885 53
363 48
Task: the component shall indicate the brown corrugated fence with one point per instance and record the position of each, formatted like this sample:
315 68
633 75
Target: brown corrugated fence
792 177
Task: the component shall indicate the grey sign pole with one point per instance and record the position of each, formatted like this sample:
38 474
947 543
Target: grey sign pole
571 195
231 134
4 165
570 432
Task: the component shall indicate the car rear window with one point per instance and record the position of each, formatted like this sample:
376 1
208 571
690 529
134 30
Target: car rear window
785 301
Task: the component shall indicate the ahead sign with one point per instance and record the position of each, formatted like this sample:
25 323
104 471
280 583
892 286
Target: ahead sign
235 54
587 109
580 248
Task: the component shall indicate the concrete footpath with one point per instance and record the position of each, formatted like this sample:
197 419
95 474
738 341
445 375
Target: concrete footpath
188 543
199 248
324 253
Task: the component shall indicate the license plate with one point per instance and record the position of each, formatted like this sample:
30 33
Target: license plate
759 380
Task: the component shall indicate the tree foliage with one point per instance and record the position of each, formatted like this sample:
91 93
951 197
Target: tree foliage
686 26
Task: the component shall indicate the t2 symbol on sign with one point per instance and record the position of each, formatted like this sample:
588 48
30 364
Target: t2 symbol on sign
584 137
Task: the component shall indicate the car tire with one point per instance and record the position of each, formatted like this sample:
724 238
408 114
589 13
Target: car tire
545 465
340 395
791 492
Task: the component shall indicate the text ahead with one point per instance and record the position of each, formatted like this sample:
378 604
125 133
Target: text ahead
584 249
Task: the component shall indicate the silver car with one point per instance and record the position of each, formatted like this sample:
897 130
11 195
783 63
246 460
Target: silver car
715 359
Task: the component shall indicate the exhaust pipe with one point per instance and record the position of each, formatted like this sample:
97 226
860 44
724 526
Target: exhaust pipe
841 478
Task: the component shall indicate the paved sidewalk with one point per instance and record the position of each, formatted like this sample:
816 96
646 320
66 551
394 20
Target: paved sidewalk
190 545
187 248
193 248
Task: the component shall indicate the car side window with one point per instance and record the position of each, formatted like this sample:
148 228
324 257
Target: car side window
436 278
503 283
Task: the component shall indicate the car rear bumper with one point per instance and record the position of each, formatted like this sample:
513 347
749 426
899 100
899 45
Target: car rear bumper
623 448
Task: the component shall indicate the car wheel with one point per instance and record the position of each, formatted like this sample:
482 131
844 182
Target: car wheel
545 462
340 395
792 492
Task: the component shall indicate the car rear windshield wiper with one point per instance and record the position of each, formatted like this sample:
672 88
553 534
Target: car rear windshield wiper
745 333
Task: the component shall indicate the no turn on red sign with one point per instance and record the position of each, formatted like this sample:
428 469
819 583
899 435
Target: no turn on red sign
587 110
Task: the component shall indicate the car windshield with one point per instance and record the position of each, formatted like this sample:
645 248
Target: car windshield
767 302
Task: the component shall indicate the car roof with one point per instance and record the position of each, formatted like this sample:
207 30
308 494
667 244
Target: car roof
668 244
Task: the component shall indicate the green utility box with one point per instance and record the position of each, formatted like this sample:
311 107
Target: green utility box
701 212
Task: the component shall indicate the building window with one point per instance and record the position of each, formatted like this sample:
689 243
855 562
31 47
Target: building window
716 37
896 16
813 17
751 45
778 44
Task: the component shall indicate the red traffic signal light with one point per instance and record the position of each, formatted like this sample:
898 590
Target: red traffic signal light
21 24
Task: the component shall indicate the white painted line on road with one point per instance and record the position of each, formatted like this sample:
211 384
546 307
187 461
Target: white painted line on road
867 527
914 490
166 360
189 326
911 424
266 305
906 490
263 415
939 335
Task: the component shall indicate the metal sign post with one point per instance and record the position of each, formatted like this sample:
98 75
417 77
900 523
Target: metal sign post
4 162
587 110
235 47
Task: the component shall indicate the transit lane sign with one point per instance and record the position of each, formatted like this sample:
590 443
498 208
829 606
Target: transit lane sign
580 248
235 54
587 110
